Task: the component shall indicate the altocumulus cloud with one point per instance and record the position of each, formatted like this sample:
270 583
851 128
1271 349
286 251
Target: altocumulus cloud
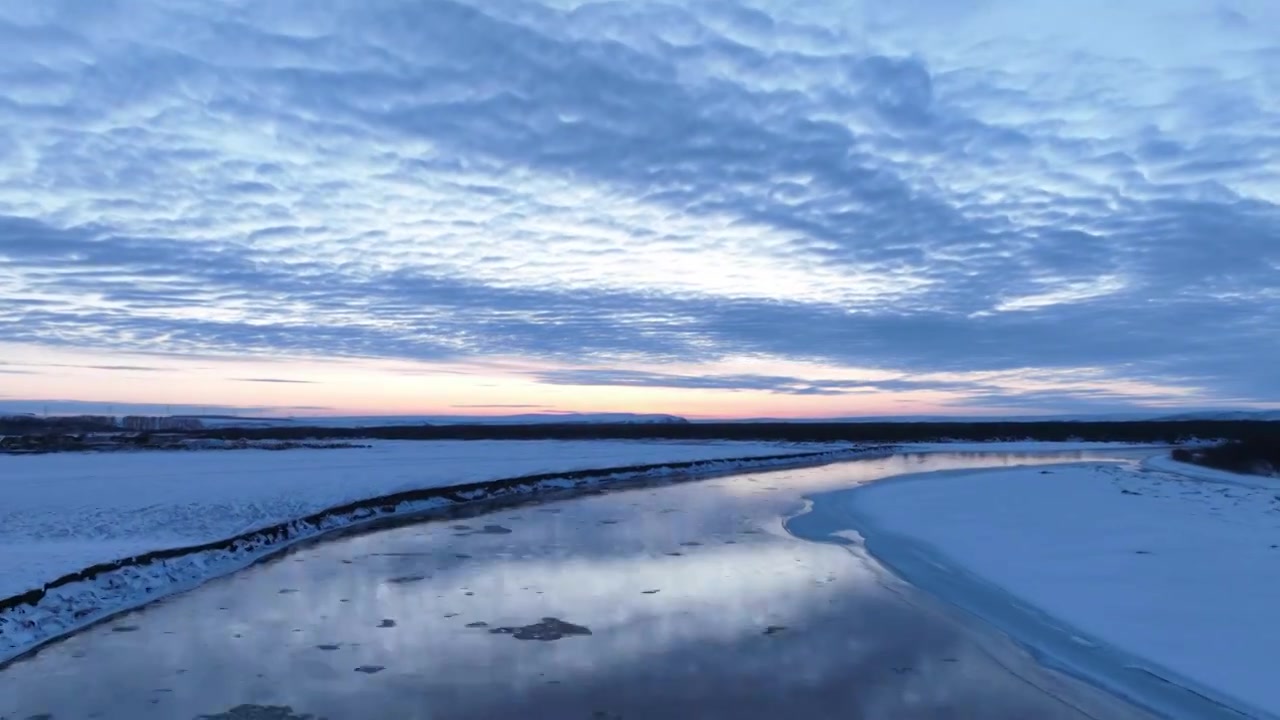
846 183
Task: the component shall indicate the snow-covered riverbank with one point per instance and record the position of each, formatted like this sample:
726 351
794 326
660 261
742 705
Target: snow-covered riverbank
1103 567
88 535
64 512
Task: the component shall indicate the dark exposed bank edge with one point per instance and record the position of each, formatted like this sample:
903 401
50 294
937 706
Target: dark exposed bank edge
76 600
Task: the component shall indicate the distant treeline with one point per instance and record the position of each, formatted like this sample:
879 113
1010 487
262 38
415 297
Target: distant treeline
1257 433
79 424
1134 432
1257 455
33 425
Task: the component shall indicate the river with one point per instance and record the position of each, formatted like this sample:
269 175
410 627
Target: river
680 601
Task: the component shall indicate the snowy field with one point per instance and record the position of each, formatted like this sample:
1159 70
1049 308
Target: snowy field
67 511
1167 567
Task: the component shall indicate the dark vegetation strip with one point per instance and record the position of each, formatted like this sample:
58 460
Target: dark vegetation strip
367 508
1167 432
1149 431
1252 456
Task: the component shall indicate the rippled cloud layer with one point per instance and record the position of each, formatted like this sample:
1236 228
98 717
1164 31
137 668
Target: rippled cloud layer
641 194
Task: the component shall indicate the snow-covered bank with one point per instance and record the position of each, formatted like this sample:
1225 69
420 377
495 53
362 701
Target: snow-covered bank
197 516
1103 567
61 513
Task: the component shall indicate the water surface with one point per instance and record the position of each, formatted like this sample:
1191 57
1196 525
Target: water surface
678 601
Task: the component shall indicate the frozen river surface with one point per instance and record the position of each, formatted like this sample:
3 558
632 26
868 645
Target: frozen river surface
679 601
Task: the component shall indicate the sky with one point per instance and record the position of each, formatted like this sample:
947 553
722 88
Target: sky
715 209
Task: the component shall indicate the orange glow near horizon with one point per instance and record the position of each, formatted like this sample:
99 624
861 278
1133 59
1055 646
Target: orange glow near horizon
310 387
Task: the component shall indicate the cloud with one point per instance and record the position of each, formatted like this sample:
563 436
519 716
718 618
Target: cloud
499 405
75 407
1230 18
780 384
273 380
117 368
1067 392
615 183
108 368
